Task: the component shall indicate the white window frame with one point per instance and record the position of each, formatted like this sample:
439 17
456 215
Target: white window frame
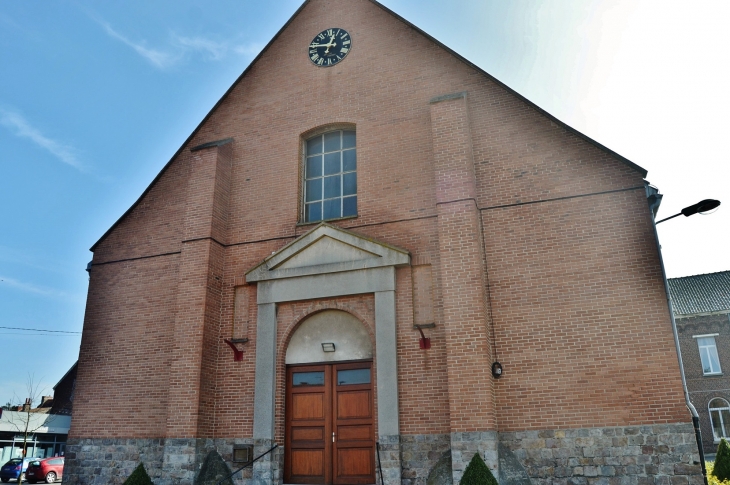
710 349
723 425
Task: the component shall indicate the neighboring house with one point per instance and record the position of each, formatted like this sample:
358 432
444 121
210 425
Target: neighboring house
48 424
63 392
702 311
359 182
46 437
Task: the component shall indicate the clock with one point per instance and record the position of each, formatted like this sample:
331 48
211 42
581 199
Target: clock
329 47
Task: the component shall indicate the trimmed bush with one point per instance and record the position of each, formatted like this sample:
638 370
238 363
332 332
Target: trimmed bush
712 479
478 473
721 469
139 477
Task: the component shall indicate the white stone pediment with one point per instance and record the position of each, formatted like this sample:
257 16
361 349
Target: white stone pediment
327 249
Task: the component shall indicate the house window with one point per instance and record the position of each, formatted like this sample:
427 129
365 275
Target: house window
720 418
708 354
330 176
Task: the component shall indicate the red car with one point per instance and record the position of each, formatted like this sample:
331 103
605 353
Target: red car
48 470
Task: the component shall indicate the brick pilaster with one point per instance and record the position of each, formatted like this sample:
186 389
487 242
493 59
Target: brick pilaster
471 393
197 323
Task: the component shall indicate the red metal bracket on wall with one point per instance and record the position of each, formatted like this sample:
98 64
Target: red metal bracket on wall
424 342
237 354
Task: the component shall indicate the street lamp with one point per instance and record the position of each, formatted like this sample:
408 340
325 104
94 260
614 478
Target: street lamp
703 207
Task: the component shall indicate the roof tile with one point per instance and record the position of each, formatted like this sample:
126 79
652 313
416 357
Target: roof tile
704 293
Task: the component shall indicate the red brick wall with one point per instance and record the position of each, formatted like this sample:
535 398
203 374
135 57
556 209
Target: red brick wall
124 361
578 304
154 225
581 321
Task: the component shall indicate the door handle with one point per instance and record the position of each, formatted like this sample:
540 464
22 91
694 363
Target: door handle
333 436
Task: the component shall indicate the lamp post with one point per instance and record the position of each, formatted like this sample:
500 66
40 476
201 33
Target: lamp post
701 207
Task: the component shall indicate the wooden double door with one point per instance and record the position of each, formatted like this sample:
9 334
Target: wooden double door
330 435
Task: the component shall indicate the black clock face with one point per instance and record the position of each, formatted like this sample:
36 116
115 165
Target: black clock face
329 47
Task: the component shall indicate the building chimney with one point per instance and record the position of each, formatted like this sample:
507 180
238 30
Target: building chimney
46 401
26 405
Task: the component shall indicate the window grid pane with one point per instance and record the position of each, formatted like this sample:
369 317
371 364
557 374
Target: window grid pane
708 355
716 424
314 167
330 188
308 378
349 206
725 417
353 376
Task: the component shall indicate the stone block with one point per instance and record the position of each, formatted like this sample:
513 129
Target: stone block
598 481
687 469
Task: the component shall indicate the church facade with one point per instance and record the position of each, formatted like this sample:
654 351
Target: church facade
383 261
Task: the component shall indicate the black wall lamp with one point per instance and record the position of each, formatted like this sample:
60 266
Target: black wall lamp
497 370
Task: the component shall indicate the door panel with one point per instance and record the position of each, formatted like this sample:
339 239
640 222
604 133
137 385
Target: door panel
308 463
330 435
354 462
354 457
356 433
307 434
353 404
308 404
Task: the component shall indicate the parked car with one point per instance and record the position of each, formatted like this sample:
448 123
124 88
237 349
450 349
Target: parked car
48 470
12 469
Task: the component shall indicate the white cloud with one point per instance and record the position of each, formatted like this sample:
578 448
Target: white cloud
215 50
252 49
29 287
181 47
159 58
21 128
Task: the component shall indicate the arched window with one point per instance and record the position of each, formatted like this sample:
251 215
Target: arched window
720 418
330 176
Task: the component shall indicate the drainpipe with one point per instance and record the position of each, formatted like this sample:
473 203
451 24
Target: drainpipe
655 198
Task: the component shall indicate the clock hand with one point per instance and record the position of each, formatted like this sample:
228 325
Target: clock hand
312 46
331 43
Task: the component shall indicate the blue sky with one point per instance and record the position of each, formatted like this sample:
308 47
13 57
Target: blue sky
95 97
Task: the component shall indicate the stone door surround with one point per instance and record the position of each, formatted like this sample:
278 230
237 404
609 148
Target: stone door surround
323 263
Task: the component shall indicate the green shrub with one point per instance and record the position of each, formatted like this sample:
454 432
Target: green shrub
139 477
721 468
477 473
712 479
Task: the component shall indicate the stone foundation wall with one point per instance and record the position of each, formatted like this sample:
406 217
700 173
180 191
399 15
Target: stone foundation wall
269 469
389 454
420 454
465 445
111 461
173 461
637 455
